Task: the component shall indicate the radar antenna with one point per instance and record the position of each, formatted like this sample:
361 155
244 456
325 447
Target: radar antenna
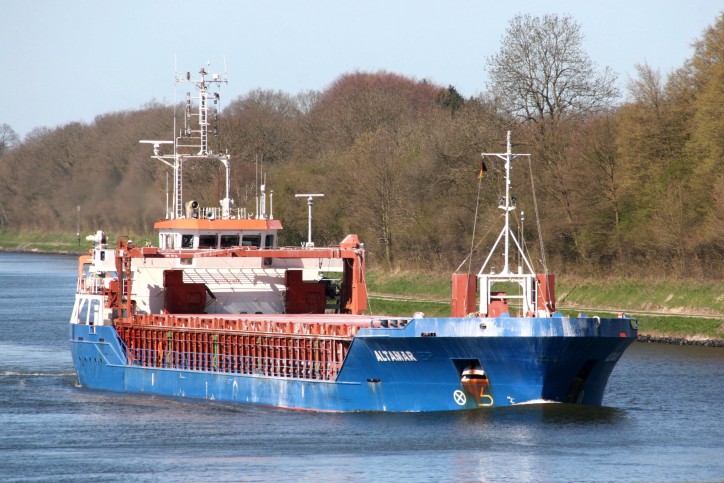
192 142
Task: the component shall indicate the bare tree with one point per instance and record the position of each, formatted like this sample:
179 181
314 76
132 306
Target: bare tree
8 138
542 71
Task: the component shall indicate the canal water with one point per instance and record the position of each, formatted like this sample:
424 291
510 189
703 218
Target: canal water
661 420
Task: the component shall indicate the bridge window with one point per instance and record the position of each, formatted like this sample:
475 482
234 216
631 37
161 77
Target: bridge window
168 241
207 241
187 241
251 241
269 241
228 241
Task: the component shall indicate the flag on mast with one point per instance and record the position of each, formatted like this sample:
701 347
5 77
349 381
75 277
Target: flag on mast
483 170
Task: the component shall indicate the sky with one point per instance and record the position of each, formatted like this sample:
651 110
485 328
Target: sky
70 61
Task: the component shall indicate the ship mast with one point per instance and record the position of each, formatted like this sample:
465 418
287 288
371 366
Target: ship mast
507 204
524 275
192 142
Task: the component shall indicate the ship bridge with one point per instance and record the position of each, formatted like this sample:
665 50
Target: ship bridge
187 225
199 233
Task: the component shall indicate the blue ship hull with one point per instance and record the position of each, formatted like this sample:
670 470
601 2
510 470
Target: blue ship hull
416 368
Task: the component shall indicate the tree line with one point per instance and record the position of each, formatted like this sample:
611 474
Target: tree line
628 186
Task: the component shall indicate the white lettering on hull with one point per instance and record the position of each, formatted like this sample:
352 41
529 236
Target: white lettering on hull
395 356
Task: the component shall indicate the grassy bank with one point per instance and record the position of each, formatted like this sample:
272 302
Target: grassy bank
35 241
670 296
417 285
41 242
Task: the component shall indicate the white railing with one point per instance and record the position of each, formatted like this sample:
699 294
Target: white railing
213 213
92 285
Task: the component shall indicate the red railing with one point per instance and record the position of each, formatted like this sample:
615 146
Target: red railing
294 356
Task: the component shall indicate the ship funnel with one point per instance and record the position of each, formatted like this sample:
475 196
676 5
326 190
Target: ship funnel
192 209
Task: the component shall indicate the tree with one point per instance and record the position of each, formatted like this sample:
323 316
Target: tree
259 130
543 77
594 144
8 138
651 135
542 73
362 102
670 139
701 91
450 99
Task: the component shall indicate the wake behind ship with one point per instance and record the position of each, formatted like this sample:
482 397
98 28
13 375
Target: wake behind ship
219 311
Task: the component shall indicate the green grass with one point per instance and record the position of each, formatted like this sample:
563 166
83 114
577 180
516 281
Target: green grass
421 285
55 242
406 308
672 296
41 242
677 326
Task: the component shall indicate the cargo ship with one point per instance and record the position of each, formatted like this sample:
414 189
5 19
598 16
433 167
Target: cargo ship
219 311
